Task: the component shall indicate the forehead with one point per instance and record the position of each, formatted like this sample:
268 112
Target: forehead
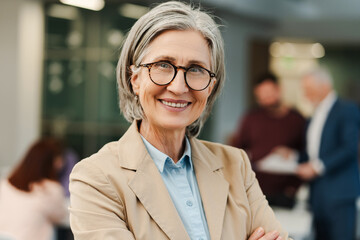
181 45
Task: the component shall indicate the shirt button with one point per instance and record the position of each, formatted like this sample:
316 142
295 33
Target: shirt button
189 203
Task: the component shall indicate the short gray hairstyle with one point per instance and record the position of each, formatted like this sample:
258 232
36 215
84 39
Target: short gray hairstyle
321 75
171 15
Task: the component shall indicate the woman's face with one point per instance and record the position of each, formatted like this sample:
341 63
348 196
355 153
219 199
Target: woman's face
174 106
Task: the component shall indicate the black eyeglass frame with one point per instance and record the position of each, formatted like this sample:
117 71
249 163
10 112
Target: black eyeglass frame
176 68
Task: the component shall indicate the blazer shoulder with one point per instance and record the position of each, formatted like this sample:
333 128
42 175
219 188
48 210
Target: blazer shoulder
228 154
97 172
106 157
234 162
347 108
218 147
346 104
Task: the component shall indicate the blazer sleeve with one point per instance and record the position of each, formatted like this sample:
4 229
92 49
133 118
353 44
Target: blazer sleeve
261 213
96 211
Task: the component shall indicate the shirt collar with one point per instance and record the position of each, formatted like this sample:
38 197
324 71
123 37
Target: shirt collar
327 102
161 158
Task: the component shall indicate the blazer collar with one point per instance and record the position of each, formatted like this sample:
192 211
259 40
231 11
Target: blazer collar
131 149
149 187
214 189
147 184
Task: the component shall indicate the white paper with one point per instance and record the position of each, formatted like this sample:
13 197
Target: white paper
275 163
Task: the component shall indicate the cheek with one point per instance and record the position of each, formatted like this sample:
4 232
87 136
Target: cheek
148 96
144 96
202 102
144 87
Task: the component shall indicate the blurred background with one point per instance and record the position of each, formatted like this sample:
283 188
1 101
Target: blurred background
58 62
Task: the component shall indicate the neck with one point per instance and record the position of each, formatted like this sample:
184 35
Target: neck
278 110
322 97
170 142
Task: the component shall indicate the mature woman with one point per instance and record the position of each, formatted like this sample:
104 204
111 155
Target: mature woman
158 181
31 198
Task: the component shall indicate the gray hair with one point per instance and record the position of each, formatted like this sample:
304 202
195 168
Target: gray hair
168 16
321 75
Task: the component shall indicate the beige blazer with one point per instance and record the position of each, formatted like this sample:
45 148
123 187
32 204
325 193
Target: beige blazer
118 193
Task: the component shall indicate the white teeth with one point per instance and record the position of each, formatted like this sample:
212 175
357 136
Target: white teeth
176 105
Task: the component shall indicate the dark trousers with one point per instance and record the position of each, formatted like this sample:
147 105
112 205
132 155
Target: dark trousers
335 222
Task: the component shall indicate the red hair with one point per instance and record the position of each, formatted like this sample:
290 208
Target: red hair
37 165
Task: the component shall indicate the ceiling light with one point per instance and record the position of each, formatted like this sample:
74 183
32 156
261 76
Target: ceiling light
317 50
288 49
296 50
95 5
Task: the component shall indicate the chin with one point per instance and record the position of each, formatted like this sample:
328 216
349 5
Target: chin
175 124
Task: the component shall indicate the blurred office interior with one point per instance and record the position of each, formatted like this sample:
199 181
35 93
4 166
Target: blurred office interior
58 62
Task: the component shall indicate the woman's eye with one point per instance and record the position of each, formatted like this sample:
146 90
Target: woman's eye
163 65
196 70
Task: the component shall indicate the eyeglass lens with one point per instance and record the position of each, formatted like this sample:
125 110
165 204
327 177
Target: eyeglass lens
196 77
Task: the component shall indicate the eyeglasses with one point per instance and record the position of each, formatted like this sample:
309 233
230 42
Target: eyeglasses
163 73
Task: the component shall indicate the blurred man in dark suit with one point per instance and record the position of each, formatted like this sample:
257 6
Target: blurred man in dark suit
330 162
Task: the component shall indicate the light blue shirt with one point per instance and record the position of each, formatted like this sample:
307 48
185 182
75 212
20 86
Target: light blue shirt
180 180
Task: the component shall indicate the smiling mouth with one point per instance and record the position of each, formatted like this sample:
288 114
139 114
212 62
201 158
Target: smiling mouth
175 105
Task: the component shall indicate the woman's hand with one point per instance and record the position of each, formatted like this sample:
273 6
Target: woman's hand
259 234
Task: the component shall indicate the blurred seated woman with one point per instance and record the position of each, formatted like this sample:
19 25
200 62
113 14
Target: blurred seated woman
31 198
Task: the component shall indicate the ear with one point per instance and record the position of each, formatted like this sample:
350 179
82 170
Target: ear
135 80
211 87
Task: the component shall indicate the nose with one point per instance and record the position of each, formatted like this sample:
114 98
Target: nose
178 86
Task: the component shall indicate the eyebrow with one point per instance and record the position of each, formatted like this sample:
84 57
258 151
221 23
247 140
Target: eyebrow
172 59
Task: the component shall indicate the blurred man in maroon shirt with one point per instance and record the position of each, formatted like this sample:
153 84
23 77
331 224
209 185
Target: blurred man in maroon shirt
265 128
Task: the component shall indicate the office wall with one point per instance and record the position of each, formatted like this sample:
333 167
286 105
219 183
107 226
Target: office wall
21 27
8 84
233 102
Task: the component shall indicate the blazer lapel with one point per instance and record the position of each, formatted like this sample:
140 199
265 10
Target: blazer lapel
326 131
148 186
214 189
